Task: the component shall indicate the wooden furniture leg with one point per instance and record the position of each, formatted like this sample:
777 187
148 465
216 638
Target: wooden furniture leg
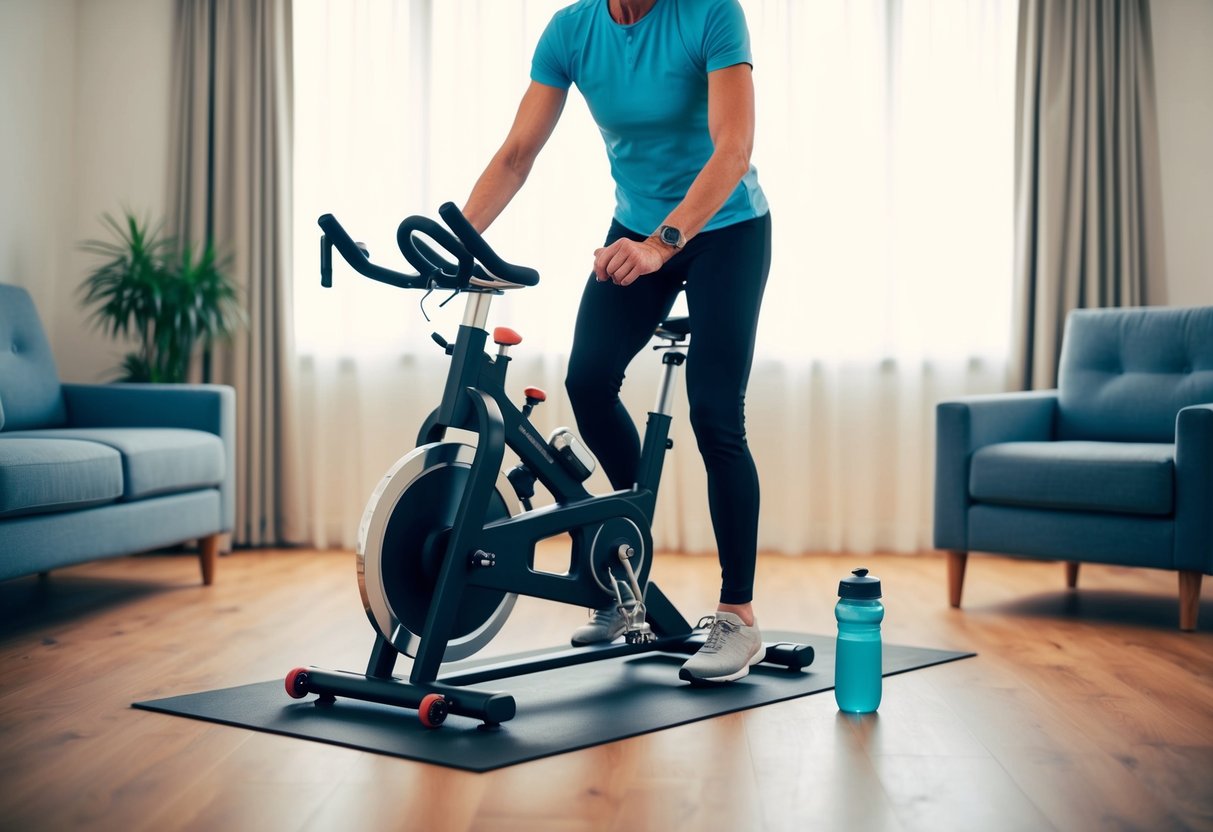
956 576
1071 574
208 554
1189 598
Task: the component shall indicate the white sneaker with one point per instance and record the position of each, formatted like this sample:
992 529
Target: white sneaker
728 653
603 626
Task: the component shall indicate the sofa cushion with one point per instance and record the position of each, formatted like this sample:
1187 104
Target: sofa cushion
41 475
1121 477
154 460
29 381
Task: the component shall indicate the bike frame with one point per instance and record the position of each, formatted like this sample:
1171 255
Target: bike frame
500 555
472 367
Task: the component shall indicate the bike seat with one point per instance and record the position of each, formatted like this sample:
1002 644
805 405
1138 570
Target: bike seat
675 328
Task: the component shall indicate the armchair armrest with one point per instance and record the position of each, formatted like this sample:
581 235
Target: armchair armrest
962 426
205 407
1194 488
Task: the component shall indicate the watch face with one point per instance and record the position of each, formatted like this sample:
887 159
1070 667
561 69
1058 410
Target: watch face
670 235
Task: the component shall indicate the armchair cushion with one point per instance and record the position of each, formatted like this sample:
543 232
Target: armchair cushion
29 380
1124 373
1120 477
154 460
41 475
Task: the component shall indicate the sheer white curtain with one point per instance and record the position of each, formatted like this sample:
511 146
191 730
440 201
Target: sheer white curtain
884 144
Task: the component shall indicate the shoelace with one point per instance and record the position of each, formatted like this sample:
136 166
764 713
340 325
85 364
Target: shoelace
720 630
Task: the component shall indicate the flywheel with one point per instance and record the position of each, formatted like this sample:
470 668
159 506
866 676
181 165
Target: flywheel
402 541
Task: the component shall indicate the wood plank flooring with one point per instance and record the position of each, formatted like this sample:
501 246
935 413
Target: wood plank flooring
1084 710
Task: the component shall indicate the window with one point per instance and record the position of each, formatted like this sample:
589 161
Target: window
884 143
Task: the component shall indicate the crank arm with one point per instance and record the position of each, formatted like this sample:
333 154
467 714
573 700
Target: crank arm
637 629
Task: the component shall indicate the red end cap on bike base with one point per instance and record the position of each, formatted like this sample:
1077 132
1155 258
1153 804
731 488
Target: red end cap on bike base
536 394
433 710
296 683
506 337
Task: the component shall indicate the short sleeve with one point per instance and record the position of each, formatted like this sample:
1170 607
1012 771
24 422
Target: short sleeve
726 39
550 63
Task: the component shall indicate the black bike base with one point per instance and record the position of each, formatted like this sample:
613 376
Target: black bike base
454 695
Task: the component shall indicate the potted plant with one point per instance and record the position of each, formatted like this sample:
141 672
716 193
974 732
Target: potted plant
169 298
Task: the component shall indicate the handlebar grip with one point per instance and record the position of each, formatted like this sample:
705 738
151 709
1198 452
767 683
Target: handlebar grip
425 260
326 261
337 237
480 249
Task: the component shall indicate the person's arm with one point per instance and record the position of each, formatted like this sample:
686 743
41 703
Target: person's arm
731 124
537 115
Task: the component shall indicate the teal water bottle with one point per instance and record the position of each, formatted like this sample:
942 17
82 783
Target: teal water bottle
857 656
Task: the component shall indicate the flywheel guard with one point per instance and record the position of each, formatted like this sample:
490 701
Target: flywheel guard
402 541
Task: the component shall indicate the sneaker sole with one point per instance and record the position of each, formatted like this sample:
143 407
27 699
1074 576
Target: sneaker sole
587 642
709 681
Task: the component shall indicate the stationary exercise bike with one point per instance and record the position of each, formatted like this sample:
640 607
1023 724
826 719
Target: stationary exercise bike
443 547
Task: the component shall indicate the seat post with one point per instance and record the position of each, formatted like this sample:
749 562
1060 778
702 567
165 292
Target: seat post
476 310
671 361
467 356
657 429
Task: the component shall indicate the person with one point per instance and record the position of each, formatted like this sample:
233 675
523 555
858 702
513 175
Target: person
669 84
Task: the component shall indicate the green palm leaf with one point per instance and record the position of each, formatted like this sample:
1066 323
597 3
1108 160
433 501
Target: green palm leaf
167 297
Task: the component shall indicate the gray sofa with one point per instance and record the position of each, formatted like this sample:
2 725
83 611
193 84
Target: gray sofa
1114 466
94 471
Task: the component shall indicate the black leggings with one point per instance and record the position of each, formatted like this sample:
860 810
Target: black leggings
725 272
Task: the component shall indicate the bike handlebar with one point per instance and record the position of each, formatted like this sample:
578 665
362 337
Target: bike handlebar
427 261
473 255
494 265
336 237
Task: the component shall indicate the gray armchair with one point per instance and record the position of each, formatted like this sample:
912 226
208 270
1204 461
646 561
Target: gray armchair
1115 466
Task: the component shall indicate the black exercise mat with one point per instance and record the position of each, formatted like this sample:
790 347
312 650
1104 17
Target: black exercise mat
558 710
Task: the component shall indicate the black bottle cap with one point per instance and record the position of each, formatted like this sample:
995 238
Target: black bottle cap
860 588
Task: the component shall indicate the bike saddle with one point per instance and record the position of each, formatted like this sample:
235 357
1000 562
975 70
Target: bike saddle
675 328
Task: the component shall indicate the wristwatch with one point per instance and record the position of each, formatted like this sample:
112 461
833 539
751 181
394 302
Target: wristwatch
671 236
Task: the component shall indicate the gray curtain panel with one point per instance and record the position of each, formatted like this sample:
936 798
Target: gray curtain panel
230 183
1088 204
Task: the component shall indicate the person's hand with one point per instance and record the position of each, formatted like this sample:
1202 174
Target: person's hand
625 260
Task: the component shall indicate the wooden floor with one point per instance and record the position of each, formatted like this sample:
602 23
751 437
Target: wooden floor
1084 710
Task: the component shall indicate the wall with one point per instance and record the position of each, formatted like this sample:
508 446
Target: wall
86 131
84 89
37 161
123 81
1183 61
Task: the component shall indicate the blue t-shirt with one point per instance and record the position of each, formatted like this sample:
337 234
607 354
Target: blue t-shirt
647 88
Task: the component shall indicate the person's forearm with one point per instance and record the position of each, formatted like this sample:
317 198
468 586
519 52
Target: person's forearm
536 119
624 260
731 125
493 191
710 190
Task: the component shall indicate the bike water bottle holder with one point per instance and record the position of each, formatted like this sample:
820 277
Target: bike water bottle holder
574 457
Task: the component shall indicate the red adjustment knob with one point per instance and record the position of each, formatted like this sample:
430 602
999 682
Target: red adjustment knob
506 337
536 394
